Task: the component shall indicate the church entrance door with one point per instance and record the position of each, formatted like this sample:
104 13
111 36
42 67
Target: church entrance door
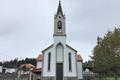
59 71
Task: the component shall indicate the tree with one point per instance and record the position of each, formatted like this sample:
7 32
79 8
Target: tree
15 63
106 54
88 65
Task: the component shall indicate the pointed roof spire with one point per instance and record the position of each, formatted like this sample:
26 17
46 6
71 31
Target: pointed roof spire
59 1
59 8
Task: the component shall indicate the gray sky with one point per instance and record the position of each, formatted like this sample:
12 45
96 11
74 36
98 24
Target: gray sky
26 26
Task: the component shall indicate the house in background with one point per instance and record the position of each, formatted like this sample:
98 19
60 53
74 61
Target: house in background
59 61
10 70
37 72
1 67
25 69
5 70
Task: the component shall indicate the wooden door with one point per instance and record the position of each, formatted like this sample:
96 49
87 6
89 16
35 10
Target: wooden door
59 71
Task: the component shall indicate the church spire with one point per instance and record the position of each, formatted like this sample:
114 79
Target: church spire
59 10
59 22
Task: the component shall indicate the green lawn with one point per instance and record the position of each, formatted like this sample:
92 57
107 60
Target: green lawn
108 78
112 78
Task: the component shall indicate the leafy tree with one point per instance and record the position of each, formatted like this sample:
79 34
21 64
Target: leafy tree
106 54
1 64
88 65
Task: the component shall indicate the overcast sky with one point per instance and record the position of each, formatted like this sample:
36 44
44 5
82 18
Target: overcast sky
26 26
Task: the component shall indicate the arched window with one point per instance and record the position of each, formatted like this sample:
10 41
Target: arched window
70 65
49 60
59 52
59 25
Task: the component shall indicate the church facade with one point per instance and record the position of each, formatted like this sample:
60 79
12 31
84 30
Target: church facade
60 61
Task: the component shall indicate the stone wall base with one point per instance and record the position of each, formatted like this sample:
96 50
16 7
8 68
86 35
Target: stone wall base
48 78
65 78
70 78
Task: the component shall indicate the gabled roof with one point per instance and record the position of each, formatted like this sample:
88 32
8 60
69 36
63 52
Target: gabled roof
47 48
40 57
79 58
37 70
27 66
71 48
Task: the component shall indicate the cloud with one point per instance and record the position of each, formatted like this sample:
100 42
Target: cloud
26 26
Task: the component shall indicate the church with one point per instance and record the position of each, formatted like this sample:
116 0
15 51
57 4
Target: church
59 61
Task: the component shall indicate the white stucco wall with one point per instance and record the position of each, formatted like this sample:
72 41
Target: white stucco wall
50 73
55 57
1 69
79 70
59 39
68 73
10 70
39 64
59 53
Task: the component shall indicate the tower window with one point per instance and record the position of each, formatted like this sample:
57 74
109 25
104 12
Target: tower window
59 25
59 17
49 61
70 65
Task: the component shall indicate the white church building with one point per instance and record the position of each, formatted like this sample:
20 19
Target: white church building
59 61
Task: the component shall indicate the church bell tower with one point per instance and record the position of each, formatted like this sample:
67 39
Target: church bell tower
59 22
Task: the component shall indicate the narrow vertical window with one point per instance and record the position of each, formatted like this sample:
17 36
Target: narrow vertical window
70 65
49 60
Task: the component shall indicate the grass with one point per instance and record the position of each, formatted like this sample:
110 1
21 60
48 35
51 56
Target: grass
112 78
108 78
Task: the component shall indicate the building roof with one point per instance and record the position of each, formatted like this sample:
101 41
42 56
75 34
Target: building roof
47 48
40 57
59 9
37 70
79 58
71 48
27 66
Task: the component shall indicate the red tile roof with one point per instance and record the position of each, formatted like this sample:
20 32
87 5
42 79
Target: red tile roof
37 70
79 58
40 57
27 65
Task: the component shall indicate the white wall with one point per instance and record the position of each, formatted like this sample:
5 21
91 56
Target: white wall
62 40
10 70
50 73
39 64
59 39
59 53
68 73
1 69
79 70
